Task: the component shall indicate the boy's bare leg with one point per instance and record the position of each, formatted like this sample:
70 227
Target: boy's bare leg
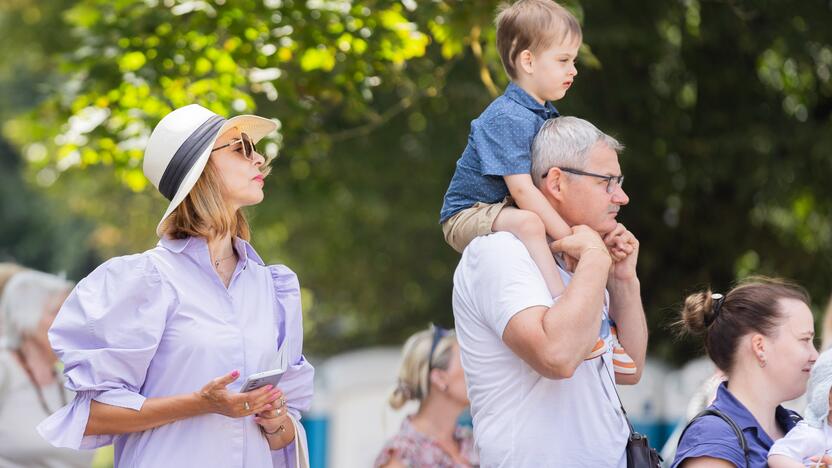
529 228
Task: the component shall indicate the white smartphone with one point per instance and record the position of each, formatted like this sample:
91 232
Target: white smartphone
261 379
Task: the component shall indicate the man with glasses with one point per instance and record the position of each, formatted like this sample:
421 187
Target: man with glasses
535 401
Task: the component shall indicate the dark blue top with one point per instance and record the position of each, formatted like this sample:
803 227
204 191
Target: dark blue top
710 436
499 144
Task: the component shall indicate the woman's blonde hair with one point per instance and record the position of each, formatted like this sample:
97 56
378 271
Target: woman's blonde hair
414 381
205 213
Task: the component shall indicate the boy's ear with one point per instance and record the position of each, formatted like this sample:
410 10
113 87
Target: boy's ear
525 60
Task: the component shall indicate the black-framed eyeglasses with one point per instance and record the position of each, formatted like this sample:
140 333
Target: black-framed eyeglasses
438 333
612 180
247 145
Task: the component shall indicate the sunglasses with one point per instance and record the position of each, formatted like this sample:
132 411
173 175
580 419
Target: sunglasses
247 146
438 334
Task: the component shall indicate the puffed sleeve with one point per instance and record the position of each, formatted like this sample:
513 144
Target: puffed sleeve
296 383
106 334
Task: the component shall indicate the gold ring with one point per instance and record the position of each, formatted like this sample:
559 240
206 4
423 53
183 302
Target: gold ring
245 405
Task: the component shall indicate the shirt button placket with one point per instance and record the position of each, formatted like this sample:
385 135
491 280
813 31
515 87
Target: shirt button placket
239 431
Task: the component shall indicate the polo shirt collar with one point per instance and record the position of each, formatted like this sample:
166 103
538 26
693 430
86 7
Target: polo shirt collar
519 95
727 403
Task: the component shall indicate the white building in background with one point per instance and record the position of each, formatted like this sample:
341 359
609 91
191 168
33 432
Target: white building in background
351 392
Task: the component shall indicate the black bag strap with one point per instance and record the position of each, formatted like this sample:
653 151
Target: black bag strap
620 404
655 457
731 423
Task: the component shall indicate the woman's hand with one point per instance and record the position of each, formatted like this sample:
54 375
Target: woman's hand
237 405
277 425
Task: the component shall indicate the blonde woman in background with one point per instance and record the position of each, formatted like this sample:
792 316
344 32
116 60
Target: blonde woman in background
30 387
431 373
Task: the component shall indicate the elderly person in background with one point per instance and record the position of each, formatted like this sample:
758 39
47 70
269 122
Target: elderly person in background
30 388
156 343
430 373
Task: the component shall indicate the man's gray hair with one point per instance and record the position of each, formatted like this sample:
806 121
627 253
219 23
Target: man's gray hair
565 142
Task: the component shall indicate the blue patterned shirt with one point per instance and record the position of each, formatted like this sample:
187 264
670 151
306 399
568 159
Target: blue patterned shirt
499 144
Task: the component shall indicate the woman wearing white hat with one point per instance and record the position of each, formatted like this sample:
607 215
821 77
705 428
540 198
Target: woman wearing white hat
154 344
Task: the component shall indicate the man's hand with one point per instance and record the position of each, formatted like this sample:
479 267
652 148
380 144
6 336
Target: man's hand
621 241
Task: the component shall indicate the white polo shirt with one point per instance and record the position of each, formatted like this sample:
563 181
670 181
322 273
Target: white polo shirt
522 419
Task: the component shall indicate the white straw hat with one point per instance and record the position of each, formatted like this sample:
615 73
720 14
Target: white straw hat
181 143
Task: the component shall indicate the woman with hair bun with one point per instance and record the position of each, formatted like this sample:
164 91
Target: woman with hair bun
760 335
430 373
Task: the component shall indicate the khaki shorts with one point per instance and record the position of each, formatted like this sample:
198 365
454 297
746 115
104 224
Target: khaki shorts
461 228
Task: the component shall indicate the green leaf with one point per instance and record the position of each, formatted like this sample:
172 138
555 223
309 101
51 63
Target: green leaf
319 58
131 61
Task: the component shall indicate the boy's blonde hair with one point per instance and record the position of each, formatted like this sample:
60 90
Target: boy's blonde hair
205 213
532 25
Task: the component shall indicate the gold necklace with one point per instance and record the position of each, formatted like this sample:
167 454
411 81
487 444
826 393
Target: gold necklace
218 261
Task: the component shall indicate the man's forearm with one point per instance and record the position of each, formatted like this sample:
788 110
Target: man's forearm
628 313
574 320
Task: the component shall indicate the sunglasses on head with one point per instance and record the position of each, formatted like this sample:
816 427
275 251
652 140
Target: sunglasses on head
438 333
247 143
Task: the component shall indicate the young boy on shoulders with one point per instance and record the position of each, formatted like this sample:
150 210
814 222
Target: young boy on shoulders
492 189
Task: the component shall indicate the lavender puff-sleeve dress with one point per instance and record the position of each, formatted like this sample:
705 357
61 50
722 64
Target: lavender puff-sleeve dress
161 323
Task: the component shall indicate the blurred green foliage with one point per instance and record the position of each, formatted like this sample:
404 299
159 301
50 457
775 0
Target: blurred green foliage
724 107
